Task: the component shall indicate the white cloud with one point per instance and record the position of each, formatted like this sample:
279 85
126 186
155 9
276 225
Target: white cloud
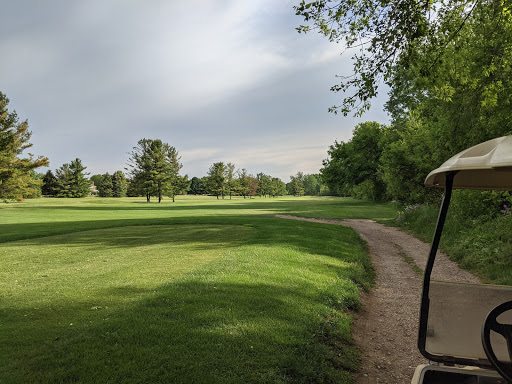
222 80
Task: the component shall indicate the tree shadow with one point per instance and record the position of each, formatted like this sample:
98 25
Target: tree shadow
203 327
189 332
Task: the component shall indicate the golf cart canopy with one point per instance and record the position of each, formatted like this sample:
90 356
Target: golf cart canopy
487 165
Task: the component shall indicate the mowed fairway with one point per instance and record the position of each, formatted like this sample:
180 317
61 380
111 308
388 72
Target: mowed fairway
200 291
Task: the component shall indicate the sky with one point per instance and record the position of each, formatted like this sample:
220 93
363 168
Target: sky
219 80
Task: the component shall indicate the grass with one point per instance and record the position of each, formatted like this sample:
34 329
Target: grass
44 217
409 260
204 291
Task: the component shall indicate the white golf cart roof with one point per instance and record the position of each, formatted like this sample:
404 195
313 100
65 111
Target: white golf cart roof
487 165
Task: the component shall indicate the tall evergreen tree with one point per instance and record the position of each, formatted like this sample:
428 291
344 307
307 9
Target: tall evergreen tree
50 184
71 180
154 168
15 170
106 186
119 184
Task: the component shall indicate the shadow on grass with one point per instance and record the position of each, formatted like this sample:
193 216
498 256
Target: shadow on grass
273 231
236 320
185 213
196 236
188 332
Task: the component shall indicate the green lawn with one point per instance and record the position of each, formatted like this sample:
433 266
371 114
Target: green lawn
204 290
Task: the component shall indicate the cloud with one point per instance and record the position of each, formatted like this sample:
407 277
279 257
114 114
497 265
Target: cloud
220 80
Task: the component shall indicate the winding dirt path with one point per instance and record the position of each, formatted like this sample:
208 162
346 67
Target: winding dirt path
387 325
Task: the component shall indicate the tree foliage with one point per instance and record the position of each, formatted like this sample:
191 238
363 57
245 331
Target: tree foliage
15 168
50 185
230 179
296 185
197 186
436 110
312 185
119 184
244 184
154 169
106 187
71 180
352 168
385 36
223 180
180 186
264 184
217 179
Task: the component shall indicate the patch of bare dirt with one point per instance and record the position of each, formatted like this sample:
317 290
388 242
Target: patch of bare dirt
386 327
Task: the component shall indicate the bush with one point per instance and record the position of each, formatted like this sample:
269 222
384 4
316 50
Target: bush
477 233
479 205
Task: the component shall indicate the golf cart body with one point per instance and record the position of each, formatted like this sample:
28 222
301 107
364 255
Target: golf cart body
452 315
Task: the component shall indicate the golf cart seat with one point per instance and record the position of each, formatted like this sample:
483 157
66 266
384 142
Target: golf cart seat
467 328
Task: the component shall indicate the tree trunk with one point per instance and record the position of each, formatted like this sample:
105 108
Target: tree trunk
148 197
173 200
159 197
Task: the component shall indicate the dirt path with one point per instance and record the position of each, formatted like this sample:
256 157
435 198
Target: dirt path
386 327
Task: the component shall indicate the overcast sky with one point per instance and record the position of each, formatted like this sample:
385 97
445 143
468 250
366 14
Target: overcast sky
219 80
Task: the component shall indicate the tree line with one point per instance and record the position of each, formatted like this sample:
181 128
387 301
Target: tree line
153 170
449 90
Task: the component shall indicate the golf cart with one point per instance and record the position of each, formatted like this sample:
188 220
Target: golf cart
465 329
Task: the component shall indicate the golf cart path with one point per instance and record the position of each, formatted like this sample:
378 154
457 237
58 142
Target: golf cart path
386 327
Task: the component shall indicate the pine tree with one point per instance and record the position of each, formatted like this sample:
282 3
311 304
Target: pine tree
50 184
15 170
118 184
154 169
106 187
71 180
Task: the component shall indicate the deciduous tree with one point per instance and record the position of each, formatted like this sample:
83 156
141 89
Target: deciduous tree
243 182
197 186
385 35
296 185
265 184
312 185
253 186
278 187
180 186
353 168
